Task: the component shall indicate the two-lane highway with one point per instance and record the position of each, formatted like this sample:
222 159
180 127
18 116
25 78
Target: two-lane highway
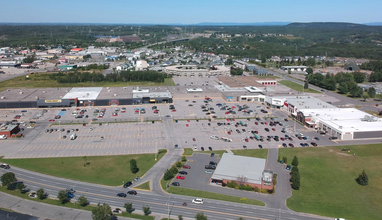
158 203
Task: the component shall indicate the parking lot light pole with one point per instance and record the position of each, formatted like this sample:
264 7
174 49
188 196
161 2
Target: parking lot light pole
168 205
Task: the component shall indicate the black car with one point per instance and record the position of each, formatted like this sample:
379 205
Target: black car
127 184
211 167
260 146
121 195
266 129
4 166
209 148
213 163
132 192
183 172
202 148
175 184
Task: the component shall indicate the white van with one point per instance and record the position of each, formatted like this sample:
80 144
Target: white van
3 137
75 113
73 136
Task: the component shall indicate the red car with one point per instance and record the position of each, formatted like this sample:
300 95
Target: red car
156 111
180 177
290 139
283 139
226 113
233 119
229 133
17 117
186 125
188 120
246 140
273 129
51 120
186 167
266 123
256 123
193 139
256 132
291 145
173 110
233 107
227 119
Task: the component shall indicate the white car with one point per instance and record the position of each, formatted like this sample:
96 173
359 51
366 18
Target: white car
214 137
33 195
198 201
339 219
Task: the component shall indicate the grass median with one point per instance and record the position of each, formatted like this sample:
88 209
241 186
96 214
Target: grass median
258 153
144 186
105 170
188 152
328 185
297 87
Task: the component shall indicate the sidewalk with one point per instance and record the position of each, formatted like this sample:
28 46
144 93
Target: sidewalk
44 211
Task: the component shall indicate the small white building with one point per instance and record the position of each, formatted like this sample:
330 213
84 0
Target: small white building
141 65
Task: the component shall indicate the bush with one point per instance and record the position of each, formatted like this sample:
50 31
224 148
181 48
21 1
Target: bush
231 184
294 169
41 194
178 164
362 179
133 166
62 197
184 159
296 184
274 179
168 175
128 207
174 170
83 201
264 191
243 199
256 189
146 210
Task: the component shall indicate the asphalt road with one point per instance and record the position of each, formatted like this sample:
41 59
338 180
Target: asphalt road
158 203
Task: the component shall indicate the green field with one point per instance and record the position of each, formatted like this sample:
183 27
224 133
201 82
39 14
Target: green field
188 152
42 80
259 153
105 170
328 185
297 87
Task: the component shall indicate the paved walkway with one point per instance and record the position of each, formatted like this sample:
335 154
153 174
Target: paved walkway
42 210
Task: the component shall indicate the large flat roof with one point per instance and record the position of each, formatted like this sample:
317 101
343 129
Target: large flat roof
306 102
345 119
232 166
84 93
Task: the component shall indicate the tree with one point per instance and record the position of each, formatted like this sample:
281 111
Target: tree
128 207
83 201
21 187
359 77
29 59
294 169
365 96
309 70
371 91
362 179
343 88
7 179
296 184
102 212
263 60
146 210
41 194
168 175
295 161
174 170
180 217
306 85
62 196
311 62
228 62
178 164
133 166
200 216
356 92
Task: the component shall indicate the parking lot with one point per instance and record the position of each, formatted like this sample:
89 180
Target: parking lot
132 132
197 175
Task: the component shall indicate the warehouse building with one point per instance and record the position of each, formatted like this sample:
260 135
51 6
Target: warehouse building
243 170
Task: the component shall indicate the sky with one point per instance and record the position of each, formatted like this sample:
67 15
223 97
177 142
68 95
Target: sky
189 12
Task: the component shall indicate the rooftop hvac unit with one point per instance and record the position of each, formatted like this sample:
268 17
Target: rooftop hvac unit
115 94
21 92
109 90
43 91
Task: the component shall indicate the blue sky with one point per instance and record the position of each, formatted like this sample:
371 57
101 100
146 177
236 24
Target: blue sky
190 12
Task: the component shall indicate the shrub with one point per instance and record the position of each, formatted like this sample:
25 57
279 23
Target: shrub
83 201
133 166
256 189
264 191
168 175
184 159
243 199
231 184
294 169
295 161
146 210
178 164
41 194
362 179
174 170
296 184
274 179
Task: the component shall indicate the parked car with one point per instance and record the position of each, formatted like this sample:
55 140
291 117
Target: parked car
186 167
183 172
4 166
33 195
211 167
116 211
175 184
180 177
209 171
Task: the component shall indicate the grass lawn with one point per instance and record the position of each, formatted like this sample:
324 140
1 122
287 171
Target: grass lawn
69 204
259 153
219 152
328 185
42 80
210 195
297 87
145 186
188 152
106 170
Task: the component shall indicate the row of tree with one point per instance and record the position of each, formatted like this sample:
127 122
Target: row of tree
123 76
94 67
295 175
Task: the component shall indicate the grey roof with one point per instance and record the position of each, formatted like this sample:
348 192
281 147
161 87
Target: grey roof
232 166
352 67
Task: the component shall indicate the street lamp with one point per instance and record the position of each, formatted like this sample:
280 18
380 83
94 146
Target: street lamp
168 205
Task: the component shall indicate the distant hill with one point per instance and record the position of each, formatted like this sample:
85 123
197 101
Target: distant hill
242 24
374 24
325 25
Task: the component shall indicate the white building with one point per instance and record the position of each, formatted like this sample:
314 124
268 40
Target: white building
141 65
